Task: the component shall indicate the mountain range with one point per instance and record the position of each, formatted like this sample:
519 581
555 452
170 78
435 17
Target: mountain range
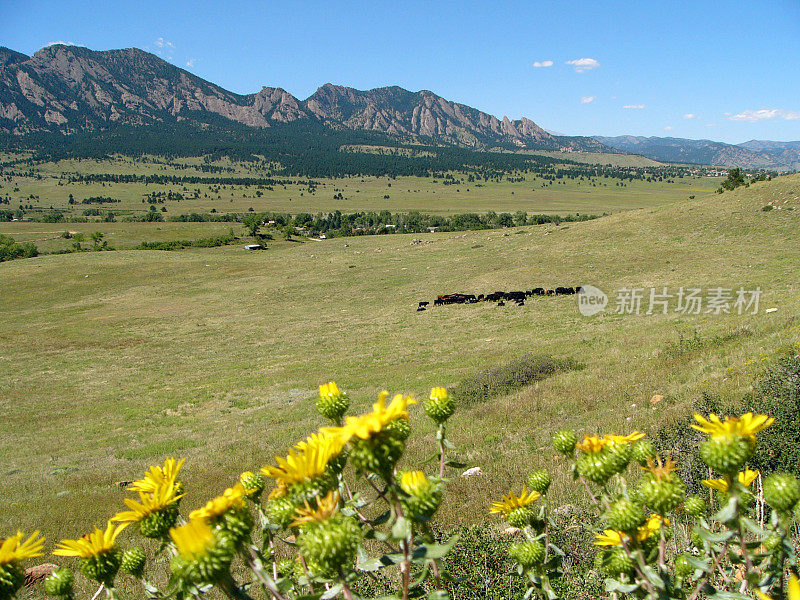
71 89
755 154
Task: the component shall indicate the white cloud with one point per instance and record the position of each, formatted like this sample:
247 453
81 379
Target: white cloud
765 114
635 106
162 43
582 65
190 62
164 48
588 99
691 116
63 43
543 63
668 128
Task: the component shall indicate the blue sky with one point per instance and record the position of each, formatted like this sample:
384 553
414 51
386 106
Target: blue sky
719 70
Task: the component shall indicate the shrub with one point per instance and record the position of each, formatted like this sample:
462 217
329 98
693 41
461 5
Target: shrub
777 393
9 249
510 376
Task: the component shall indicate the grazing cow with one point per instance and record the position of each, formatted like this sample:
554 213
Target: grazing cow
514 295
480 298
537 291
438 301
421 308
578 289
564 291
421 304
549 292
501 303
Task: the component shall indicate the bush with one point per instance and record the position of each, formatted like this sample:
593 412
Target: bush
511 376
9 249
777 393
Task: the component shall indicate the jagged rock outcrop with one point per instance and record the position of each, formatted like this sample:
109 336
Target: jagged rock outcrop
69 88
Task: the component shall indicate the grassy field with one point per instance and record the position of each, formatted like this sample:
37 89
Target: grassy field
115 360
46 188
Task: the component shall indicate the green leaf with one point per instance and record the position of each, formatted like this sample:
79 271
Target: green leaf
754 527
380 520
714 538
723 595
374 564
612 585
698 563
401 530
448 444
332 592
729 512
434 551
653 576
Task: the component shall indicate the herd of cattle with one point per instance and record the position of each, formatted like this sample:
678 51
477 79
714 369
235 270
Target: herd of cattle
499 297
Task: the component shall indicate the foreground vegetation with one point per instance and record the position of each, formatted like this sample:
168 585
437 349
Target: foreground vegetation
341 514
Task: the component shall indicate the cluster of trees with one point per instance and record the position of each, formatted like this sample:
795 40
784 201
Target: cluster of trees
338 224
9 249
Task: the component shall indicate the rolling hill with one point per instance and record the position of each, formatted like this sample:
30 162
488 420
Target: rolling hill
752 155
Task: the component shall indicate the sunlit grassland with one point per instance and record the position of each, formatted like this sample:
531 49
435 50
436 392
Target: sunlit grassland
115 360
359 193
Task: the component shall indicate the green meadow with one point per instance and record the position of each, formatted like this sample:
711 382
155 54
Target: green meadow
113 361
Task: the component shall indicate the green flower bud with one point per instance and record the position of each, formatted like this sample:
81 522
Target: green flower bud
423 495
564 441
697 541
12 576
620 456
521 517
440 406
694 506
380 453
661 495
330 546
285 567
683 568
625 515
726 454
615 562
102 567
157 524
781 491
133 562
642 450
332 403
528 554
208 568
59 583
596 466
236 524
539 481
280 511
253 483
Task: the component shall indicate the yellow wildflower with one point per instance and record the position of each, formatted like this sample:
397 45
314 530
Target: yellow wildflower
193 539
511 501
748 425
230 498
746 477
158 477
592 444
661 469
624 439
325 509
149 504
94 544
414 482
793 592
13 549
310 462
365 426
329 389
612 537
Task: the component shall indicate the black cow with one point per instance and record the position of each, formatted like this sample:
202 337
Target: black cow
423 304
537 292
421 308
